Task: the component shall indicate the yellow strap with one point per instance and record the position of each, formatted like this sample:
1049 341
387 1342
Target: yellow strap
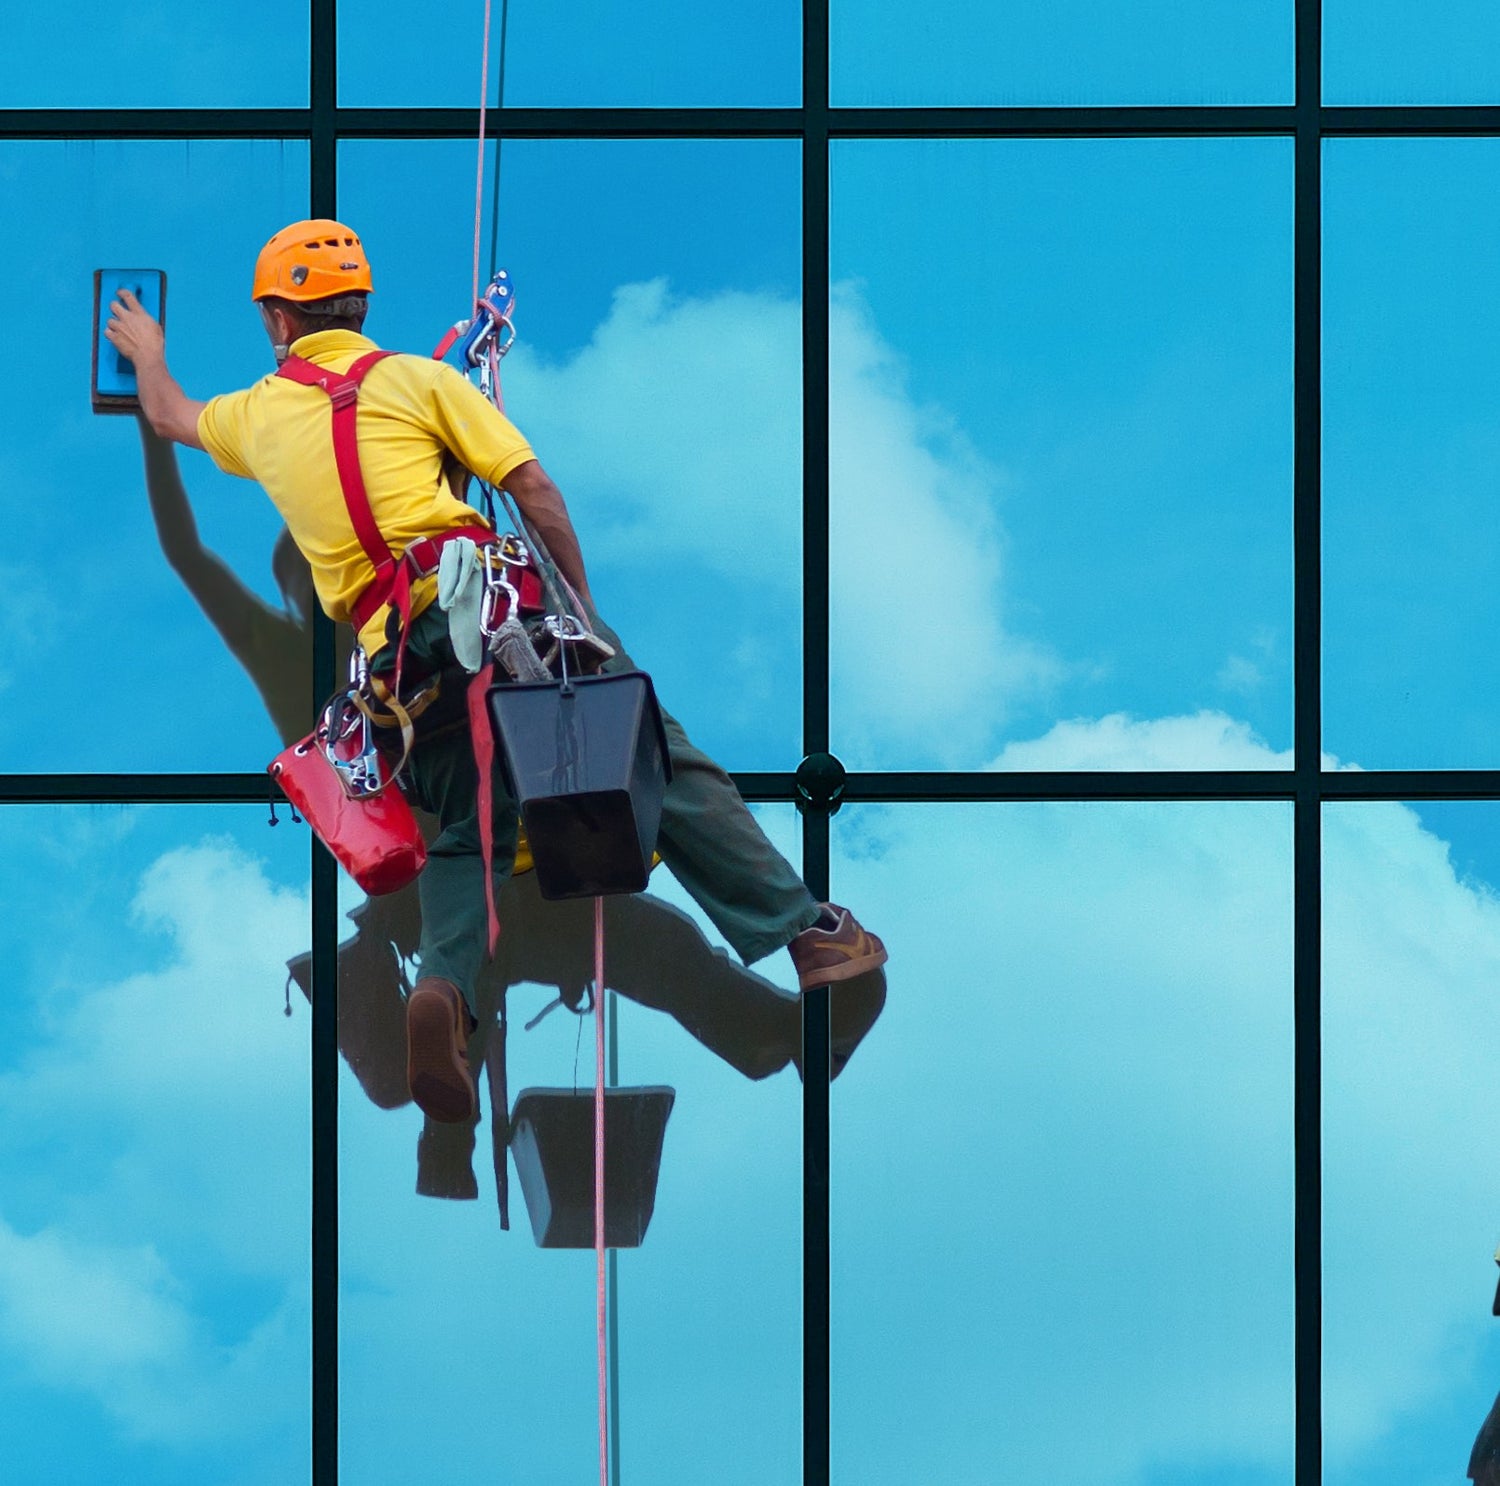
414 707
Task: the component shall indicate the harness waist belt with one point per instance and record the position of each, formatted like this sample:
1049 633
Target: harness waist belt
420 560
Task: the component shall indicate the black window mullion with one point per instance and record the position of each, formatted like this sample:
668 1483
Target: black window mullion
1307 869
816 1253
323 182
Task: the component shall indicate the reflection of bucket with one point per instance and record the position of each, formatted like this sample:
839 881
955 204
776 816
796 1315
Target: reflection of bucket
552 1140
587 766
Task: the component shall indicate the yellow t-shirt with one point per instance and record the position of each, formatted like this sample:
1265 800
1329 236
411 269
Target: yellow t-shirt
413 413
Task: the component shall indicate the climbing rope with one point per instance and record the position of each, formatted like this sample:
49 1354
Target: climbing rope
601 1273
484 98
602 1288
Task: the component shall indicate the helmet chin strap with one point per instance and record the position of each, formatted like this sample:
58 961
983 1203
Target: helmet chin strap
281 350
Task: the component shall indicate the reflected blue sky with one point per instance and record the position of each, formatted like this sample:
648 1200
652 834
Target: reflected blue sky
1062 381
1410 446
1388 51
594 53
1065 52
1063 1178
73 208
1411 950
160 54
153 1149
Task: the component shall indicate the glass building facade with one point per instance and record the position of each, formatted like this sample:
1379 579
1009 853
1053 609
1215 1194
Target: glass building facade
1078 420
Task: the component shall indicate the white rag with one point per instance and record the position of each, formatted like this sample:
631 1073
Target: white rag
460 594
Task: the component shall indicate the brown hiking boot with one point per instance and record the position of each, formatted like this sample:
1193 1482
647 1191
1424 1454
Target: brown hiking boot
835 948
437 1063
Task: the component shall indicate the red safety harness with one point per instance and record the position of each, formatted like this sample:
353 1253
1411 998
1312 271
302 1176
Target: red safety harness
395 575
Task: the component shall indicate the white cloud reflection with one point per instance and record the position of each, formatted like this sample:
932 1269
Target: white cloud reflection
1075 1125
678 430
169 1279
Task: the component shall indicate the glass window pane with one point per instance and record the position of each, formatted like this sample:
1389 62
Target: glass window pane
1411 949
1390 51
1061 442
1064 52
658 378
709 1303
1411 320
199 665
1062 1202
593 53
154 1138
171 54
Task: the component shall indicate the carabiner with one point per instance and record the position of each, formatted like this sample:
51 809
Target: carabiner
511 550
348 743
498 589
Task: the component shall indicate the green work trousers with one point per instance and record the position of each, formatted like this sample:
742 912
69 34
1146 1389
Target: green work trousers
708 838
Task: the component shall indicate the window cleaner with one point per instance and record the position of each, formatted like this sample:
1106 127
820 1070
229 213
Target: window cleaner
403 419
313 285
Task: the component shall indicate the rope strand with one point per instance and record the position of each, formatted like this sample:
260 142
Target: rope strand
484 98
603 1288
602 1283
499 142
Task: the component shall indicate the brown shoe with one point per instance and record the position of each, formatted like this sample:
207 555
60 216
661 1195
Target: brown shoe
437 1064
835 948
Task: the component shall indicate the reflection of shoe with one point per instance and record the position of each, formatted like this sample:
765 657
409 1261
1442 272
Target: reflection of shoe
854 1006
300 970
835 948
437 1065
445 1161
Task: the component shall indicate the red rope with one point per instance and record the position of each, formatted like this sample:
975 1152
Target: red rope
483 738
602 1308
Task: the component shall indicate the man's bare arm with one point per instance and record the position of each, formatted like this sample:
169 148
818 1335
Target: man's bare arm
136 334
542 505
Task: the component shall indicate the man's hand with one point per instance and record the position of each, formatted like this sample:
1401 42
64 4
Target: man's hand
135 333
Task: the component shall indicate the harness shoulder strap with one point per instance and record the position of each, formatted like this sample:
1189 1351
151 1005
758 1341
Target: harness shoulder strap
343 393
393 574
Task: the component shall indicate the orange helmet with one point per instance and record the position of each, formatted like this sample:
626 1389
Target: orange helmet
311 260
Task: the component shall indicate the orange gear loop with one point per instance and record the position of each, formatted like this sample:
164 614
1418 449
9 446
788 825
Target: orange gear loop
316 259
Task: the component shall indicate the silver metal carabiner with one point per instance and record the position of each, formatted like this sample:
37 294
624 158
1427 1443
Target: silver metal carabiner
348 743
498 591
511 550
504 336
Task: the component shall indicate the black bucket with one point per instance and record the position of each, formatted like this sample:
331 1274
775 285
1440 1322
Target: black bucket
587 764
552 1140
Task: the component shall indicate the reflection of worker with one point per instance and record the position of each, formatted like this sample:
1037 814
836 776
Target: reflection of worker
1484 1459
273 645
658 957
311 282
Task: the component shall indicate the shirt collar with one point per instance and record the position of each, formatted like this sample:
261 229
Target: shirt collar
323 346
